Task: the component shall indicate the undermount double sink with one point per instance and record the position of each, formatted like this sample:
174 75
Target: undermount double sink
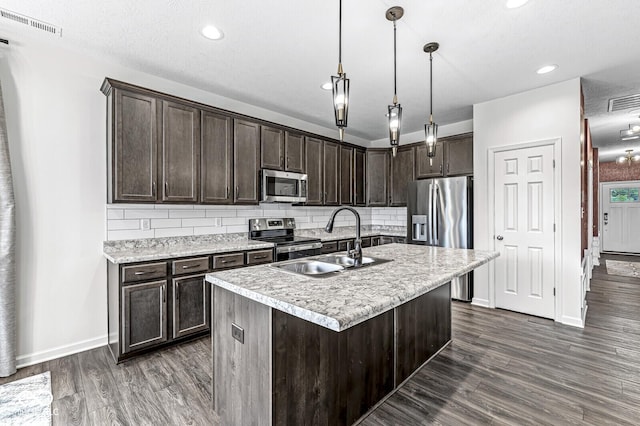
326 265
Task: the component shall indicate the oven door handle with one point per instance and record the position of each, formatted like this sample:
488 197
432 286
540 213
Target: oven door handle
298 247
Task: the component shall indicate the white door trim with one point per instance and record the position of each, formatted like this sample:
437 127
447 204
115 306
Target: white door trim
557 183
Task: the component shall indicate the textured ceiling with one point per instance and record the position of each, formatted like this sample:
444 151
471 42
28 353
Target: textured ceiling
277 54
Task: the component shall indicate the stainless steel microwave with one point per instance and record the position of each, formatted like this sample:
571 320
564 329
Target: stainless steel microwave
283 187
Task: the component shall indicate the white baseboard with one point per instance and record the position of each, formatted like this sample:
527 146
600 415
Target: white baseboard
60 351
480 302
572 321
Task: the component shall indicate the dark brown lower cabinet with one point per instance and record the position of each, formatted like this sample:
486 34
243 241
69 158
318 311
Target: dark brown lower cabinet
286 370
191 311
144 309
423 326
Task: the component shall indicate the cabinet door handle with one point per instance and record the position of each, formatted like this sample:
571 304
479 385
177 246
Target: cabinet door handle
166 188
281 160
440 168
288 162
188 266
237 191
228 261
447 168
141 272
227 196
260 257
153 189
177 290
164 300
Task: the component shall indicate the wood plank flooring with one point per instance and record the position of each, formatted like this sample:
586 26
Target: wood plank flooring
501 368
507 368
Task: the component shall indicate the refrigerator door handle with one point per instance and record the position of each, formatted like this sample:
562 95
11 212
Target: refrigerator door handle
435 216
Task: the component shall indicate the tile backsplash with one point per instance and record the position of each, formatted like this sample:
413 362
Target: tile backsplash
133 221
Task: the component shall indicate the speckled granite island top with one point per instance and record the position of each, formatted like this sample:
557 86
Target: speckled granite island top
351 297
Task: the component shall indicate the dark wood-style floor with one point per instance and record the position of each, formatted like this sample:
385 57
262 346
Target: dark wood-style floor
501 368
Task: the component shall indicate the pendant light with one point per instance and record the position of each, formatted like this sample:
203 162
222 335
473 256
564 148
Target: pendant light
394 111
340 85
431 129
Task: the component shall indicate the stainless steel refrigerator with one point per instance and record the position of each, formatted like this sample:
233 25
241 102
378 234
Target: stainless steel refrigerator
439 213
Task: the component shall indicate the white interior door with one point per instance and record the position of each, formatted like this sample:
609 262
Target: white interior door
620 216
524 230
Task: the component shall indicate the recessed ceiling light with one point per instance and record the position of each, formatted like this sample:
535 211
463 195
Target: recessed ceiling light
512 4
212 33
547 69
327 86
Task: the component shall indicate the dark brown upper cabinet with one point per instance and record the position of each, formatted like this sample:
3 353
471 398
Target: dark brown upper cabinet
272 148
294 152
246 161
331 173
180 152
314 166
132 131
402 172
429 167
360 177
217 159
347 182
377 177
458 155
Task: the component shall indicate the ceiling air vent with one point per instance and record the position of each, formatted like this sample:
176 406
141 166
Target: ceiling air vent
625 102
34 23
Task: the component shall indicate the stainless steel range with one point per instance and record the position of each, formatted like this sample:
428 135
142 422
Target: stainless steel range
281 233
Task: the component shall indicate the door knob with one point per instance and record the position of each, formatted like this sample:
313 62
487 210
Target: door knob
499 238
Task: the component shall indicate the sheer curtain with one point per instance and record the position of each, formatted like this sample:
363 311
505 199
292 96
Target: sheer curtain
7 256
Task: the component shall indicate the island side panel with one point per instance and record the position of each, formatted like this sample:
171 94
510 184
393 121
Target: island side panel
423 327
325 377
242 371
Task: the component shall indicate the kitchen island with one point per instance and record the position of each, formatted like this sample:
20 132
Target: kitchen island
292 349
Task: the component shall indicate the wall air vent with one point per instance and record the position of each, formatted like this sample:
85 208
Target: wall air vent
34 23
623 103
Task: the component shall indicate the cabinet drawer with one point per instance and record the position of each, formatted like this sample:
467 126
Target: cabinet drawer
144 272
386 240
190 266
329 247
345 245
259 256
366 242
234 260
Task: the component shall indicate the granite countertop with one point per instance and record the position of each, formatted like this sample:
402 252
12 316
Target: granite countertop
142 250
351 297
129 251
344 232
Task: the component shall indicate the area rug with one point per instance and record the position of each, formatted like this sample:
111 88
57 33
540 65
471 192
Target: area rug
26 401
626 269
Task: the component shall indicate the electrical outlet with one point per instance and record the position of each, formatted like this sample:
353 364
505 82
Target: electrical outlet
217 221
237 333
145 224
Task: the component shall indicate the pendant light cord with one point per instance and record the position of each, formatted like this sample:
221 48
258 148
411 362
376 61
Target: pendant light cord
395 89
340 36
430 87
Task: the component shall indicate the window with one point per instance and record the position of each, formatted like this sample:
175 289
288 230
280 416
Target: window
624 195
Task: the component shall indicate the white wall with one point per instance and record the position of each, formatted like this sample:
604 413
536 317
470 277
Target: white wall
56 119
443 131
546 113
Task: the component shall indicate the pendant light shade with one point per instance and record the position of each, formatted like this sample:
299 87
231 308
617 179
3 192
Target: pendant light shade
431 128
394 111
340 86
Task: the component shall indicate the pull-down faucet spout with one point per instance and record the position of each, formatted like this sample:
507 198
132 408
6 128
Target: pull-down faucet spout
356 253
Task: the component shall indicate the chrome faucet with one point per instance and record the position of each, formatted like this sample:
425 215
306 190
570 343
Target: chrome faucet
356 253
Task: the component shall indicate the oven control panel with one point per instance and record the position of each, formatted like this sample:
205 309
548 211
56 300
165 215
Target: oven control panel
271 224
